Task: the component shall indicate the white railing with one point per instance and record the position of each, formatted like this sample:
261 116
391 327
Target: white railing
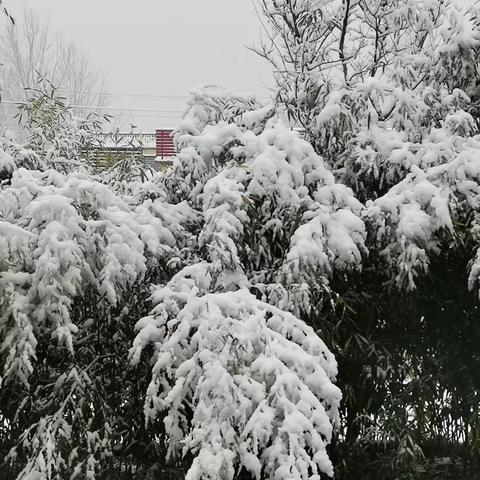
126 139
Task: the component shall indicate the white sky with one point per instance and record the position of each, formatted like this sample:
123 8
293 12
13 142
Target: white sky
161 47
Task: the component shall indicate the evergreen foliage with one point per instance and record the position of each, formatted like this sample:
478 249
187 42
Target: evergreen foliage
190 322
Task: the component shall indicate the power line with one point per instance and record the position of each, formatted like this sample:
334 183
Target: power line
126 112
96 107
99 94
130 95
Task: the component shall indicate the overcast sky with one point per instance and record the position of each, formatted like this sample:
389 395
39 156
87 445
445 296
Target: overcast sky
161 48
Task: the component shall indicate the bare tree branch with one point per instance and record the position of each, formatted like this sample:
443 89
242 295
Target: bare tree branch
30 50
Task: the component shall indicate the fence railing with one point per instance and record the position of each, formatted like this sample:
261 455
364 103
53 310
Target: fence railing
145 140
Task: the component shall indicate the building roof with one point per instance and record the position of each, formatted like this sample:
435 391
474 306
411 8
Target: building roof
161 142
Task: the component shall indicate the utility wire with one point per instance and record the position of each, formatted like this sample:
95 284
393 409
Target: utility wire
96 107
99 94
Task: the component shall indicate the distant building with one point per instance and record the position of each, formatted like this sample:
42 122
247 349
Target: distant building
157 149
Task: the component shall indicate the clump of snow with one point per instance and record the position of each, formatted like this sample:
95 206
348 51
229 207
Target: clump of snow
60 235
259 381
